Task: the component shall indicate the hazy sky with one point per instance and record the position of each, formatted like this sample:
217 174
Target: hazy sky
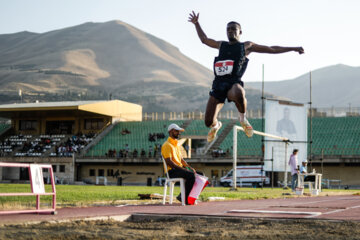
327 29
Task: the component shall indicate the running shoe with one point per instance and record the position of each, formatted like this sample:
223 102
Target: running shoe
212 133
247 128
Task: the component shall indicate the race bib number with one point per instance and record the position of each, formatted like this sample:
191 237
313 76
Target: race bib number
224 67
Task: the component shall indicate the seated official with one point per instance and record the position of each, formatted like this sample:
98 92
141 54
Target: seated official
176 165
303 169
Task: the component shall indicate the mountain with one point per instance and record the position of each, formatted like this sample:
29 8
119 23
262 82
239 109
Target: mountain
332 86
102 60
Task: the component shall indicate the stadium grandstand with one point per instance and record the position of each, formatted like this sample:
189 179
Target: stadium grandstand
98 141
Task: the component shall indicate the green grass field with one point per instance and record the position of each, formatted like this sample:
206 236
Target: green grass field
89 195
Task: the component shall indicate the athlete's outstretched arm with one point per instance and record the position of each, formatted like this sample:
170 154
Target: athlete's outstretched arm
194 18
253 47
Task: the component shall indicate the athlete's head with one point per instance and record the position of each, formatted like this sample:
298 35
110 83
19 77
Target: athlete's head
233 30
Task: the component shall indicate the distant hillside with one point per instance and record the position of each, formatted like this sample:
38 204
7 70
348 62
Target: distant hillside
333 86
102 60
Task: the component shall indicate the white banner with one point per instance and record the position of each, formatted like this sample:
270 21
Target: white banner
286 120
37 180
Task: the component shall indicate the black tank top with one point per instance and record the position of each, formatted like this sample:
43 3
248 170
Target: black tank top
231 63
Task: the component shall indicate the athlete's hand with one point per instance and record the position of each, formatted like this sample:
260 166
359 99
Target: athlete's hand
300 50
194 18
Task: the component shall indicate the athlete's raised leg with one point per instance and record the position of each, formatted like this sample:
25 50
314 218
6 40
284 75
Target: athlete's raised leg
237 95
213 108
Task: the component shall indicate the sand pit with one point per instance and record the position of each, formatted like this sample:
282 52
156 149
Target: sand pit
187 229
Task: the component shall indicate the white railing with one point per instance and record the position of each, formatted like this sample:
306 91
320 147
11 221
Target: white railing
251 113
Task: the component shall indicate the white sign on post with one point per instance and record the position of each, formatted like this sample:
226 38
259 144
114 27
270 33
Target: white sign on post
37 180
285 120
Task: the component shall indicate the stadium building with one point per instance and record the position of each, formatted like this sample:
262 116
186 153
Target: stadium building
50 132
107 141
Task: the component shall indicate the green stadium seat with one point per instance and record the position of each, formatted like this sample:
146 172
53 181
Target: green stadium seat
335 135
137 139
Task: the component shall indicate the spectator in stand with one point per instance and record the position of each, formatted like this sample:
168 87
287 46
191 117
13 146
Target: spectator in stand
125 131
143 153
75 143
127 149
214 153
221 152
151 137
150 151
121 153
135 153
110 153
155 150
218 153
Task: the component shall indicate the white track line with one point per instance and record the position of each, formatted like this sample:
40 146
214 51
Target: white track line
318 201
275 212
294 204
312 214
338 210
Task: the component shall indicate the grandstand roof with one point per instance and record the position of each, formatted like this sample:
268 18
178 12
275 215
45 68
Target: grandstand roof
114 108
39 105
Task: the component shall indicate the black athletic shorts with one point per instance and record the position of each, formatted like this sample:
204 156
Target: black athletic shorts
220 88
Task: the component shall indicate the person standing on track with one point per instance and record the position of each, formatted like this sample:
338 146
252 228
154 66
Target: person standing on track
229 67
294 169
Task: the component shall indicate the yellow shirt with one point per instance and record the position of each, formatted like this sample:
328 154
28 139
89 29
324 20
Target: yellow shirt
170 149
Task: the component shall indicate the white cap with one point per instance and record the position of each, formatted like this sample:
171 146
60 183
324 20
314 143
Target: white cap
176 127
304 161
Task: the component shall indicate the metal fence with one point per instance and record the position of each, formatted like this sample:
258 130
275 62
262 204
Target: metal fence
252 113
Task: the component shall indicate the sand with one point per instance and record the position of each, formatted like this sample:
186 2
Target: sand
187 229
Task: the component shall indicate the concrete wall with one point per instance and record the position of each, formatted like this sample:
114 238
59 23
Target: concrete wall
139 173
348 175
10 173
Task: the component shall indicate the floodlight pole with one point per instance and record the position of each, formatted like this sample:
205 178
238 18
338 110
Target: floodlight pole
235 129
234 158
322 161
262 107
285 172
272 167
262 124
310 103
